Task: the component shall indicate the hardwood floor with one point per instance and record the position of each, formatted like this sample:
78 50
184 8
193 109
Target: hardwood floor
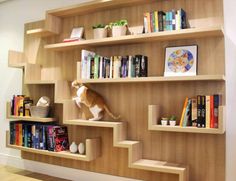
15 174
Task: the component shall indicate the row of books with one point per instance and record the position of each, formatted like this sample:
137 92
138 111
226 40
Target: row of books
39 136
94 66
201 111
20 105
163 21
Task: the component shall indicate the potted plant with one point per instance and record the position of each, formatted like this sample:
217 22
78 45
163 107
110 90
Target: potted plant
118 28
99 31
172 120
164 121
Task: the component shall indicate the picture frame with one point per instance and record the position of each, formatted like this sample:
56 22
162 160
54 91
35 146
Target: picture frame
181 61
77 32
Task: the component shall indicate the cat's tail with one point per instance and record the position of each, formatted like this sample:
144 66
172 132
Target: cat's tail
110 113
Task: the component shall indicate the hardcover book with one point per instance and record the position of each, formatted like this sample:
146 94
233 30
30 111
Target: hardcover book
61 142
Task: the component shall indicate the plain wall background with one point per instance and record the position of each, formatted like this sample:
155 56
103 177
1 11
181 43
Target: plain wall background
13 15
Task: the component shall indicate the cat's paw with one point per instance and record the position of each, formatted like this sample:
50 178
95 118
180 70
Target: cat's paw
94 119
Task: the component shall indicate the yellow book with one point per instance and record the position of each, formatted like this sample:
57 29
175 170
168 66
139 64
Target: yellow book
156 21
183 112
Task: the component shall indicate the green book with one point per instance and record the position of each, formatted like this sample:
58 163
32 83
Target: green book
96 67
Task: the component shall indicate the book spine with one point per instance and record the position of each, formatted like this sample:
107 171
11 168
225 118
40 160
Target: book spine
199 111
208 111
165 22
33 134
144 67
156 21
216 98
83 65
88 67
203 111
137 65
12 133
183 19
100 69
20 134
173 12
130 67
145 22
160 21
92 68
37 130
194 112
29 136
212 123
12 105
41 137
25 135
21 109
187 113
50 139
104 68
151 21
111 67
183 112
96 67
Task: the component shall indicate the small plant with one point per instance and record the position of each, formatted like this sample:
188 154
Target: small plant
122 22
99 26
173 118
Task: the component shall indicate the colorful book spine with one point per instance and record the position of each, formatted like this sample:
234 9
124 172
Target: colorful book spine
37 130
33 134
50 138
92 68
183 112
96 67
212 123
173 23
107 68
144 67
208 111
156 21
161 20
111 67
203 111
199 111
194 112
216 99
183 19
187 113
12 133
137 65
20 134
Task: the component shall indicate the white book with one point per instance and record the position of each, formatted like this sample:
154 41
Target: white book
100 69
208 112
84 61
129 67
117 64
111 67
88 66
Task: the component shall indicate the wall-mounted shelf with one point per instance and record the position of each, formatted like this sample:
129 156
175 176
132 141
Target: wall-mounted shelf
156 79
154 116
93 150
26 118
143 38
40 32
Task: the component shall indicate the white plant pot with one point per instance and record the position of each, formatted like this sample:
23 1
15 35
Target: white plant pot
164 122
119 31
172 122
99 33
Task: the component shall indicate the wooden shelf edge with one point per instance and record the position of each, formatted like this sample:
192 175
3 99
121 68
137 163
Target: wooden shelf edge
26 118
90 155
153 115
155 79
40 32
149 37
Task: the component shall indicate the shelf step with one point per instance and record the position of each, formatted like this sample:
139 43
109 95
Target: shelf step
143 38
93 150
40 32
158 166
81 122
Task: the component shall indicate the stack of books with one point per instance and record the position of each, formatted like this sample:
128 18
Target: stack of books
201 111
20 105
94 66
164 21
39 136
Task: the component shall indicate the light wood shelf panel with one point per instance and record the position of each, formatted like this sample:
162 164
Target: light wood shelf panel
156 79
40 32
16 59
39 82
26 118
154 117
143 38
93 150
94 6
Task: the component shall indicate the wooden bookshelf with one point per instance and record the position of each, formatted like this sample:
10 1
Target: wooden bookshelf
160 154
154 118
155 79
92 146
26 118
143 38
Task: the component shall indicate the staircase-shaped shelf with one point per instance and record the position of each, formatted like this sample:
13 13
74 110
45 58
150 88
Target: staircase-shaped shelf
93 150
154 117
134 149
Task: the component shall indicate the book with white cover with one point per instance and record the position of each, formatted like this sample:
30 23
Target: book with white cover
84 63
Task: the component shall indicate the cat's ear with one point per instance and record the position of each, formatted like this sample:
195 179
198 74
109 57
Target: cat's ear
75 84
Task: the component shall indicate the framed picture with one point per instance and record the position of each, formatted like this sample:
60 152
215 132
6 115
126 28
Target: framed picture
77 32
181 61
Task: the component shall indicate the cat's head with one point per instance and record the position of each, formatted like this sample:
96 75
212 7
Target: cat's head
76 84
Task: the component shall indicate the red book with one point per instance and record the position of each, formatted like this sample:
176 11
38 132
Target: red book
212 121
17 134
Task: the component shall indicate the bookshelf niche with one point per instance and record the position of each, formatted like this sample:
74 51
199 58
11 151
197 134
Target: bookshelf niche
153 152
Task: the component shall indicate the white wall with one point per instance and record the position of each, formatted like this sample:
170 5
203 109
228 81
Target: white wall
13 15
230 53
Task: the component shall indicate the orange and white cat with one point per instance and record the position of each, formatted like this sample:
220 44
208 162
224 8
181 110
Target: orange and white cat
92 100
